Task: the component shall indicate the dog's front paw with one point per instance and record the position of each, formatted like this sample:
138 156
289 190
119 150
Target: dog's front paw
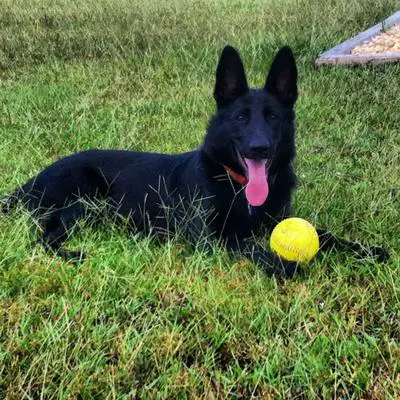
285 269
269 262
290 268
380 254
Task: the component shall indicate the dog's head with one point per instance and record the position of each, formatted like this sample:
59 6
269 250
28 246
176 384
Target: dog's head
252 132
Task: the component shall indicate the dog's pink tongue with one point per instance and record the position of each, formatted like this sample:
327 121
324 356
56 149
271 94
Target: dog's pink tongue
257 187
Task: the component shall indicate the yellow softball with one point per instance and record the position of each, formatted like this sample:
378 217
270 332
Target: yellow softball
295 239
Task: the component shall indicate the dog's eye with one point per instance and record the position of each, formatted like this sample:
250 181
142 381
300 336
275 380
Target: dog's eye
271 115
241 117
268 114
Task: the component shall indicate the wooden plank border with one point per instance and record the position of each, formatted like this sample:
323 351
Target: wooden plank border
341 54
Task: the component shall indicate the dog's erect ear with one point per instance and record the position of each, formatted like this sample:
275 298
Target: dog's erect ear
231 81
282 77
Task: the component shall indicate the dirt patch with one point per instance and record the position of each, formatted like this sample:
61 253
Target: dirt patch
386 42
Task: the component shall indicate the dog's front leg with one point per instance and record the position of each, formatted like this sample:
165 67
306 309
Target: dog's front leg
330 241
269 262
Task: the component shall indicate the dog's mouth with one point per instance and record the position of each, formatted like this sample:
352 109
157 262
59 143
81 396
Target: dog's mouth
257 188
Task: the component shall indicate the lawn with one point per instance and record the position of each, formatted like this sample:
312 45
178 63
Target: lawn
139 320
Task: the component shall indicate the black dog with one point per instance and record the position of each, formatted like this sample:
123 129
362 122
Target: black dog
239 181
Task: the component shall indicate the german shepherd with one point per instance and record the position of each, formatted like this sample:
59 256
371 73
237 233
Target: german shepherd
241 178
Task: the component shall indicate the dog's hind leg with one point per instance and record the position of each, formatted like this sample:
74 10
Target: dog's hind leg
10 201
329 241
56 231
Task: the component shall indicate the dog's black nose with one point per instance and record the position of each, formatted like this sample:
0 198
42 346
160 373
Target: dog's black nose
260 150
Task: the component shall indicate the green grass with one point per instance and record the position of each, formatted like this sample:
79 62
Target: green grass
147 321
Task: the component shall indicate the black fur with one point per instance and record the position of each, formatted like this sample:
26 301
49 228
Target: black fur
193 190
